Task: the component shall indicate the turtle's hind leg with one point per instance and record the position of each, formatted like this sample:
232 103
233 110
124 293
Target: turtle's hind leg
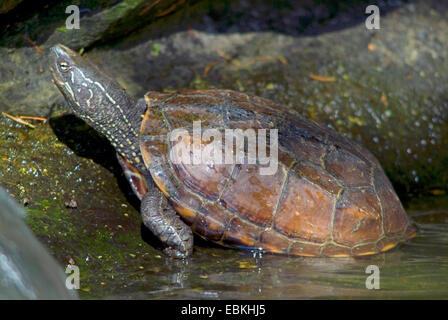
160 217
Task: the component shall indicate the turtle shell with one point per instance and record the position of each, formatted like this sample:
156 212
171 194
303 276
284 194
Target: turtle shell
328 197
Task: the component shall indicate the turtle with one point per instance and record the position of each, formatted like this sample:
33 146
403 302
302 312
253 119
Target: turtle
328 197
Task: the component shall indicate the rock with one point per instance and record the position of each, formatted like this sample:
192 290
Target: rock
24 46
386 90
64 163
112 23
27 271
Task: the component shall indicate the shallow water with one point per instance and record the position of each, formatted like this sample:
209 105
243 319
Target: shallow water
417 269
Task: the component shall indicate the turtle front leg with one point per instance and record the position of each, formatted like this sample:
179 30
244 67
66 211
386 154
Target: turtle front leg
160 217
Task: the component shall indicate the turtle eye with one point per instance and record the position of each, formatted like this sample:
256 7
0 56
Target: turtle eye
64 66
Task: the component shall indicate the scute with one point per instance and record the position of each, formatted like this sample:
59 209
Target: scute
305 212
252 195
358 217
205 179
348 168
395 222
328 197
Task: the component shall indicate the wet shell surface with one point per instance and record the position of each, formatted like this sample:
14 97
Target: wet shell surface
328 197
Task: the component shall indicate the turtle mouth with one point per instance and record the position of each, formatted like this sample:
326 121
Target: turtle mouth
56 79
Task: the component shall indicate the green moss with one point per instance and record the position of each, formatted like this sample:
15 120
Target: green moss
121 9
62 29
104 230
96 248
155 49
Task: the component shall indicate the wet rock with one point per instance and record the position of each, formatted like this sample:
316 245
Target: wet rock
27 271
64 160
24 70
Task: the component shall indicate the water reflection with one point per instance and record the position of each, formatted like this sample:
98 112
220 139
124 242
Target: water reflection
415 270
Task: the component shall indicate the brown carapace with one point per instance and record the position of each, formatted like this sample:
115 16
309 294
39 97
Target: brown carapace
328 197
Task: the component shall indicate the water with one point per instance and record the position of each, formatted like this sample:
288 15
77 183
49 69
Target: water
417 269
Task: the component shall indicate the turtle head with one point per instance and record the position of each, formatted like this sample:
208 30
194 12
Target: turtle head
94 97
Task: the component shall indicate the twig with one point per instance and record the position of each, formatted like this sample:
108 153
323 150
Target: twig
283 60
33 118
209 67
321 78
18 120
33 44
192 33
263 58
151 5
223 55
170 9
